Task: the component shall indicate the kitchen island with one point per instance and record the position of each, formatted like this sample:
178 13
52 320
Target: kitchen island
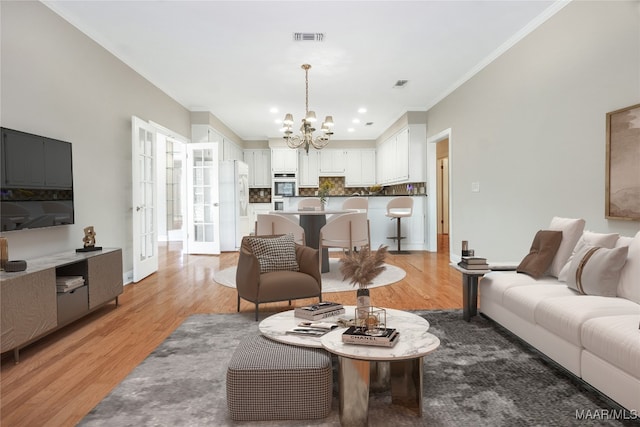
414 228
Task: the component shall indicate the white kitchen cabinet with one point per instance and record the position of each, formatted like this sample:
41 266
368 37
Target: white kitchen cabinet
308 169
332 162
284 160
259 161
231 151
360 168
402 157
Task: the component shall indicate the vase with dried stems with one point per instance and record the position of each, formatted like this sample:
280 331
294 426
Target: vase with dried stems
360 268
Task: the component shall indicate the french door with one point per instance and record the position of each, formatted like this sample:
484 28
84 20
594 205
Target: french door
144 199
203 199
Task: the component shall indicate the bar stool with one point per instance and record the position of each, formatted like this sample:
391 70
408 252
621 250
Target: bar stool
398 208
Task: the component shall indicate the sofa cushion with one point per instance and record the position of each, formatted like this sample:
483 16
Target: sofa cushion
615 339
629 285
523 300
543 248
275 253
493 285
571 231
589 238
596 271
564 316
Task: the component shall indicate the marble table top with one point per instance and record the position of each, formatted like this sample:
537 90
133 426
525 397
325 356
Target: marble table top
414 339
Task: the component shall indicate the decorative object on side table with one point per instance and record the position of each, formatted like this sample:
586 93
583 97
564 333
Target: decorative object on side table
371 320
360 268
89 240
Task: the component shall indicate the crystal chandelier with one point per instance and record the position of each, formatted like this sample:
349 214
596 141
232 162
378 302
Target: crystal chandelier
305 138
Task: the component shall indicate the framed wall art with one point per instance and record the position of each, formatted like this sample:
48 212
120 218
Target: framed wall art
622 187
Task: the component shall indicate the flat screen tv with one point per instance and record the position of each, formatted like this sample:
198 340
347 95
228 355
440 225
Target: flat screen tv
36 188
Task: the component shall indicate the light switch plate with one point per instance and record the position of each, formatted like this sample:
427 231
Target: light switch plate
475 187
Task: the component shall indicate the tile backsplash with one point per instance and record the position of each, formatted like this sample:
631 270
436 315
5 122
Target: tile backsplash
263 195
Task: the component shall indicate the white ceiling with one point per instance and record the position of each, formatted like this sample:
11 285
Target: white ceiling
238 60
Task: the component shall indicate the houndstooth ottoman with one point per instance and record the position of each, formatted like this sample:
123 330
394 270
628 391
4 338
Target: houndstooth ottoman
268 380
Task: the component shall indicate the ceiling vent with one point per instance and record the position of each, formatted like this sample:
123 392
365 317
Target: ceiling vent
369 124
401 83
308 37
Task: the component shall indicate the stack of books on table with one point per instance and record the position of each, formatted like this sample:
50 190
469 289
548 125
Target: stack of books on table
319 311
473 263
356 335
68 283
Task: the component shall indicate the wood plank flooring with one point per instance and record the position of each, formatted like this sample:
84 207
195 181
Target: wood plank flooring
61 377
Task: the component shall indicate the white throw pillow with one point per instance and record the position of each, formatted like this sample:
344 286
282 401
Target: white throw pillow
629 286
571 231
589 238
596 271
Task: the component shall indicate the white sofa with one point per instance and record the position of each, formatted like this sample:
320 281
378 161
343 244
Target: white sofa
597 338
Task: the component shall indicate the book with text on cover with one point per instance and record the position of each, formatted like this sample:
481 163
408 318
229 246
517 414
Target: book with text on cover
355 335
321 307
318 316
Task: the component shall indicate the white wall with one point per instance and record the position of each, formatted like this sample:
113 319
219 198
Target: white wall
59 83
530 128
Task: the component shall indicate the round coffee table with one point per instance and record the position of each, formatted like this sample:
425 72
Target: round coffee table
399 366
362 366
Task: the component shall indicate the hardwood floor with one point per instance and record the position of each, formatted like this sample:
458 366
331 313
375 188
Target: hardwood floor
61 377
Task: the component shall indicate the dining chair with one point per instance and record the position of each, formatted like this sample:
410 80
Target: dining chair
274 224
309 202
346 231
360 204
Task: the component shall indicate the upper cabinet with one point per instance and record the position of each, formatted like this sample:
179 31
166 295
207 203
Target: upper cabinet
332 162
402 157
284 160
227 149
308 168
259 161
361 168
231 150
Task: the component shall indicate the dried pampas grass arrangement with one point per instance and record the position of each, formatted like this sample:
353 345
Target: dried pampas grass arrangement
361 267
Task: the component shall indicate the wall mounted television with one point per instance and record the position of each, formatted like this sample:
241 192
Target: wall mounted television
36 188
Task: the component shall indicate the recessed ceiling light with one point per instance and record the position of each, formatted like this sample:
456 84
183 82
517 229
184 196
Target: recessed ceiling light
356 120
362 110
351 130
273 110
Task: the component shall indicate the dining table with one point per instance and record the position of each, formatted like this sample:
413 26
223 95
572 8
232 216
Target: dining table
312 221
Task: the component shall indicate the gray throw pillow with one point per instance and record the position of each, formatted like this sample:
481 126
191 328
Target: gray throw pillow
596 271
543 249
275 253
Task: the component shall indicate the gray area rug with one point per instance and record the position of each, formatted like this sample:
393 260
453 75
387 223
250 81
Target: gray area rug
480 376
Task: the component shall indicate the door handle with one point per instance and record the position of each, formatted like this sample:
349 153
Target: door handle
139 208
216 204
